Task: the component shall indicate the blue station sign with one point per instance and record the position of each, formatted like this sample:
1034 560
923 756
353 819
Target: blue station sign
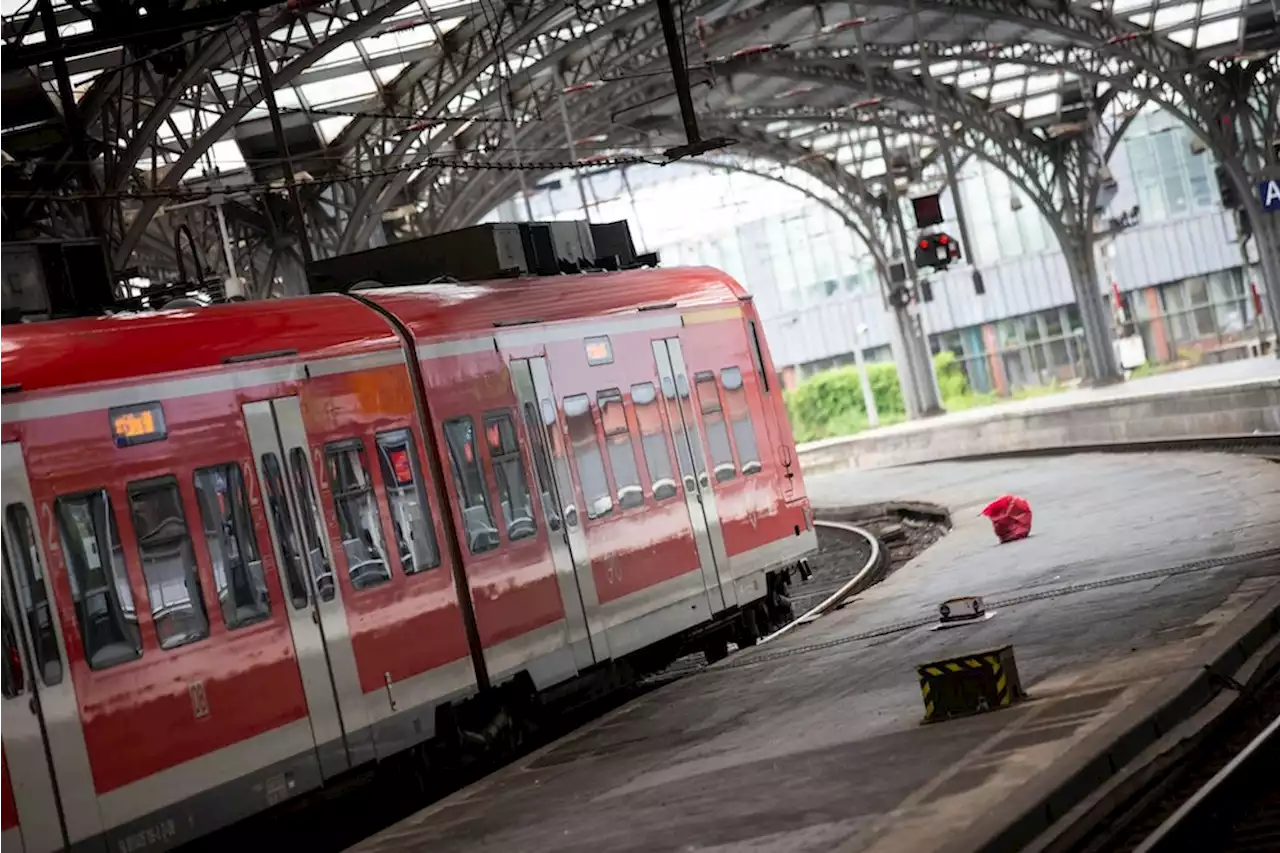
1269 194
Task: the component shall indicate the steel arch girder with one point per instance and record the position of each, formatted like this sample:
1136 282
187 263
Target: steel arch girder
366 210
227 121
643 39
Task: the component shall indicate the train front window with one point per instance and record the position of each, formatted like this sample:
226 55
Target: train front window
415 535
357 513
468 479
622 455
744 434
168 563
508 472
286 535
233 549
20 536
100 589
717 431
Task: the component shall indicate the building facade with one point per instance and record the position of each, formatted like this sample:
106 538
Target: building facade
1177 280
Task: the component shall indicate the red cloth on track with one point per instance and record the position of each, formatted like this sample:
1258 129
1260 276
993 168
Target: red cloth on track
1010 516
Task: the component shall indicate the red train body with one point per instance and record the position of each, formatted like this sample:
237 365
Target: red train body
251 547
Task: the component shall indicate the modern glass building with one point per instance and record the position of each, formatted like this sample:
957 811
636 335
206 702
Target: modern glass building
1182 284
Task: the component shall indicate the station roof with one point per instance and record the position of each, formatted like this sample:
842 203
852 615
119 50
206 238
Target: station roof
399 102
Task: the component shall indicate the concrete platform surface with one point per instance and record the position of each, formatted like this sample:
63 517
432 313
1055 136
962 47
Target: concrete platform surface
1236 398
815 742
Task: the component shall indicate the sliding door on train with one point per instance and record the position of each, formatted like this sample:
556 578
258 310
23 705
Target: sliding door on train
45 754
587 632
322 642
691 454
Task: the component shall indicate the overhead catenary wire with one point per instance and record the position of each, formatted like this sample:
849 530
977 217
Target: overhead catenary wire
263 188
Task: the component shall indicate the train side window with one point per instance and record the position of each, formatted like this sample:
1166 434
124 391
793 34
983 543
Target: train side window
238 575
717 432
757 355
508 473
282 520
586 452
415 535
168 562
321 571
622 454
468 478
357 511
542 463
99 585
653 440
744 434
33 592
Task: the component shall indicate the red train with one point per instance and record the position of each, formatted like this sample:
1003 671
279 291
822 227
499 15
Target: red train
251 547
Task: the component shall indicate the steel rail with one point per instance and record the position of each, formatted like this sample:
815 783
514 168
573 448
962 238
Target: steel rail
844 591
1171 826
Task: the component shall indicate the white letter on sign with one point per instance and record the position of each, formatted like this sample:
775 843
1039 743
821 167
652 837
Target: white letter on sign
1273 195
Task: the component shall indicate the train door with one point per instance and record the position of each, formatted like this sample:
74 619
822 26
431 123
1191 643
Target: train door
316 617
532 384
45 752
691 454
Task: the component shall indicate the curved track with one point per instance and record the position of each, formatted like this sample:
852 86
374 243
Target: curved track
830 588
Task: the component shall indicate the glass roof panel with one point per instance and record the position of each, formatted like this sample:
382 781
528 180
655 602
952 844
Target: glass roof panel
340 90
329 128
1218 32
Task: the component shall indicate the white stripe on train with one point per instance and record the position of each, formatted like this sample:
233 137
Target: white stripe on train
252 377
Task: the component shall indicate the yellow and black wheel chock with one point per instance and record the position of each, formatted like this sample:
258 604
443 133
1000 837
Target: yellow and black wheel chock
970 684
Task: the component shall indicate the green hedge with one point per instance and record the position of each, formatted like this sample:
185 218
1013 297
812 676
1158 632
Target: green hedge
831 404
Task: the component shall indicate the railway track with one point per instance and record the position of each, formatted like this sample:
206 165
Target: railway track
1222 796
850 559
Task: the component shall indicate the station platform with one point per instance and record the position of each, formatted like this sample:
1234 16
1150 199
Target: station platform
815 742
1232 399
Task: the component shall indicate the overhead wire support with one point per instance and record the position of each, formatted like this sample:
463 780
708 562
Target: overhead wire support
694 143
269 95
924 396
75 125
944 143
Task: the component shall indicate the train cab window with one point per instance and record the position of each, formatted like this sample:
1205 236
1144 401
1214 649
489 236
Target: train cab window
717 432
286 535
33 592
468 479
587 455
653 440
622 455
415 535
508 473
321 571
238 576
357 512
168 562
744 434
99 585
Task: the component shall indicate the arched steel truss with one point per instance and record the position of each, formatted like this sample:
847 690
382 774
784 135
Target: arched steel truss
486 89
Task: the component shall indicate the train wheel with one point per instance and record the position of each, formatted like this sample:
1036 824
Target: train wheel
748 633
715 648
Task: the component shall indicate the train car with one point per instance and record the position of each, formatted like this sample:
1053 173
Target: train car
251 548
